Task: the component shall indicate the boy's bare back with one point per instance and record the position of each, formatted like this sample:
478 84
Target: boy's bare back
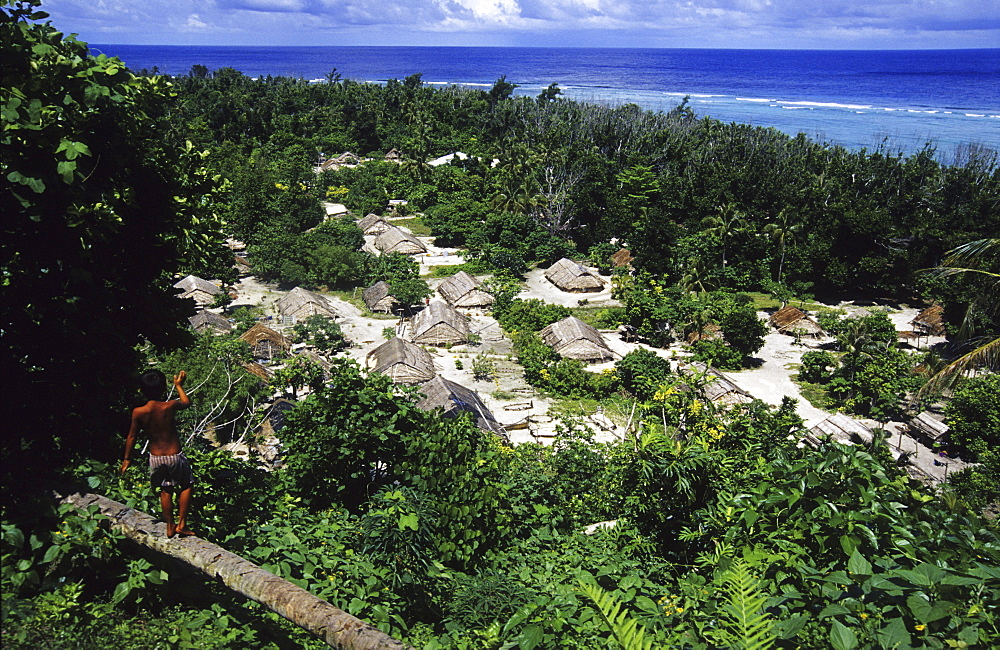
155 418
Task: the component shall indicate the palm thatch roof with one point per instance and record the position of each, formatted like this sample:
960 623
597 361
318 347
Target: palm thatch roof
402 361
622 258
793 321
929 322
242 265
378 298
929 427
456 399
301 304
373 224
718 388
201 291
841 428
574 339
463 290
439 324
258 371
570 276
395 240
208 321
265 343
394 156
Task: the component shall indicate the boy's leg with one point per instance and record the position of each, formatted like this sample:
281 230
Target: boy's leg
183 502
167 505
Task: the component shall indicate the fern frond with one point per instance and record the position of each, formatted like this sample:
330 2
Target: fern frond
748 625
627 631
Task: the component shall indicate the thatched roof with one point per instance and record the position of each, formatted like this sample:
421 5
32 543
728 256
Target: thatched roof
265 342
373 224
258 371
929 427
209 320
930 322
395 240
439 324
302 303
455 399
574 339
242 265
394 156
377 297
792 320
622 258
718 387
192 284
463 290
402 361
841 428
570 276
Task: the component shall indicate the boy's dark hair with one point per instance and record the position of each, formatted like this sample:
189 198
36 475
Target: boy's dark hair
152 383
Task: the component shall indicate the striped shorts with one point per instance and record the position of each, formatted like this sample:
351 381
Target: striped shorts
170 471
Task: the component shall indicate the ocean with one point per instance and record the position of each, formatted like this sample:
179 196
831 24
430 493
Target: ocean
899 100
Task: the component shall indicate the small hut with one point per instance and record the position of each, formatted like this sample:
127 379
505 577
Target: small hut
401 361
208 321
570 276
394 156
929 322
718 388
574 339
335 210
201 291
373 224
378 298
455 399
395 240
300 304
463 290
793 321
929 428
439 324
242 265
841 429
622 258
265 343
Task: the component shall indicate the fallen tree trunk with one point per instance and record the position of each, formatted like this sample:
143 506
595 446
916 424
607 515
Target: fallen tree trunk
335 626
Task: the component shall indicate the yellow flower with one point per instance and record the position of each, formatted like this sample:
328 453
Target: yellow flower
920 628
863 616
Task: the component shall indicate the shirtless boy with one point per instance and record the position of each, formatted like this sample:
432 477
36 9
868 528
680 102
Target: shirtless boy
168 467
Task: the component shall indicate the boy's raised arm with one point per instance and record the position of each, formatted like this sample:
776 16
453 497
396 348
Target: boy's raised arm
183 400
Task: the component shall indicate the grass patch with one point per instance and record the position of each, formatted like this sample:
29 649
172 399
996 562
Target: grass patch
414 225
448 270
815 394
602 318
765 302
617 409
504 396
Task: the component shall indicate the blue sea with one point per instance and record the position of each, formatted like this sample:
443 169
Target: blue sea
899 100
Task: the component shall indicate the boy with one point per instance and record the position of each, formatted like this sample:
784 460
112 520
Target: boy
168 467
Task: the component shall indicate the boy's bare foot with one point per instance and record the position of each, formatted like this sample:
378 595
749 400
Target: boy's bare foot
185 532
171 530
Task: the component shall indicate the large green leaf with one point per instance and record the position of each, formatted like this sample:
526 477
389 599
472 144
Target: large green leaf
842 637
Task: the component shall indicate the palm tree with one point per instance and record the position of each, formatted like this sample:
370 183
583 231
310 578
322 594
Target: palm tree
783 232
695 279
728 222
985 350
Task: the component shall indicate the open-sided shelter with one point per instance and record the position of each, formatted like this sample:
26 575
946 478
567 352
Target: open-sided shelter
373 224
202 291
208 321
463 290
301 303
718 388
395 240
439 324
929 322
401 361
574 339
793 321
841 428
929 428
570 276
265 343
455 399
378 298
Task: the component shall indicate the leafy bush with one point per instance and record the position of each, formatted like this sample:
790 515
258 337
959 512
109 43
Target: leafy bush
973 414
641 372
816 366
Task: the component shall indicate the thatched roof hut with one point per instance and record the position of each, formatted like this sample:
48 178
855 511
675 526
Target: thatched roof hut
401 361
841 428
929 322
570 276
574 339
793 321
928 427
202 291
301 303
373 224
395 240
209 321
463 290
258 371
265 343
456 399
394 156
378 298
718 388
622 258
439 324
242 265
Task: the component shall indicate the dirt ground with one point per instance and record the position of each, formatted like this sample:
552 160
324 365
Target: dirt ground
526 414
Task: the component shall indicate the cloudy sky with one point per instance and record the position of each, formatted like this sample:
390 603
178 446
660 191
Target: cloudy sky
818 24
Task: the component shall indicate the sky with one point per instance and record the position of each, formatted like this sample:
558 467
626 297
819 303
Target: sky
752 24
